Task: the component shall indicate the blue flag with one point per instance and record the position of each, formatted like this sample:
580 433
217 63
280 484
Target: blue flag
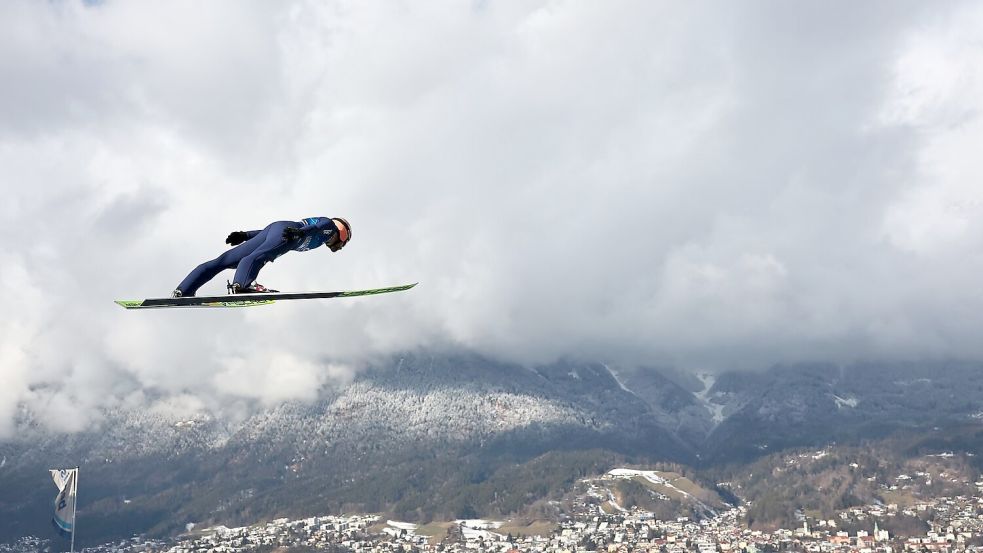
64 519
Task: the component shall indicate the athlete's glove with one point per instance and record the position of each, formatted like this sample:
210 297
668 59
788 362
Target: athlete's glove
236 238
290 234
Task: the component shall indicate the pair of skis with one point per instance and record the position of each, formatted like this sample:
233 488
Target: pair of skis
251 300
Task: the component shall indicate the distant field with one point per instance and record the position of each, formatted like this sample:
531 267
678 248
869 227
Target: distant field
901 498
660 488
534 528
436 531
813 513
608 508
683 483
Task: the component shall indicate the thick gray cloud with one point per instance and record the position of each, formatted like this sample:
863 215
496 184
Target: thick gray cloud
704 185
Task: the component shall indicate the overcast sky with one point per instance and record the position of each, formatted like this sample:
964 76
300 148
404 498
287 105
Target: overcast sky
703 185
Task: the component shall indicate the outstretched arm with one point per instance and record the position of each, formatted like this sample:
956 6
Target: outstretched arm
240 236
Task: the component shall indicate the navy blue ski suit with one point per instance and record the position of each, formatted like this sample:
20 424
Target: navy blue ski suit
261 247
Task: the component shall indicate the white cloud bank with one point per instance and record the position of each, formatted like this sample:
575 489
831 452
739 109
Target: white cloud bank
697 184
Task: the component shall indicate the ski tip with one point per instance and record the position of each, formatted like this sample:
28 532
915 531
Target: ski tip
375 291
128 304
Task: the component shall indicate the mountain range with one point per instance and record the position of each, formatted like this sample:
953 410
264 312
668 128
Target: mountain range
439 436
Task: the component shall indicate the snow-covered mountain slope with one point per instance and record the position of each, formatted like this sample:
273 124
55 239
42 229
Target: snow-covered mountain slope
411 400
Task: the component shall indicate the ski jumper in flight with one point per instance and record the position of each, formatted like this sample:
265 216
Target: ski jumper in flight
255 248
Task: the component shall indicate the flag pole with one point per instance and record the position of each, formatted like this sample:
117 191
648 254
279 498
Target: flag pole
75 507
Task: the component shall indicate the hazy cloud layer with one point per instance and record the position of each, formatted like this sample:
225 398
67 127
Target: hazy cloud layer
704 185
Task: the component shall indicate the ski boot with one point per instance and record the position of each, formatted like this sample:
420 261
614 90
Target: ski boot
254 288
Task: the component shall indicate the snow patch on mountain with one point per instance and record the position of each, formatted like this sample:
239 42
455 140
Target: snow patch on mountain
843 403
913 382
716 410
614 375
